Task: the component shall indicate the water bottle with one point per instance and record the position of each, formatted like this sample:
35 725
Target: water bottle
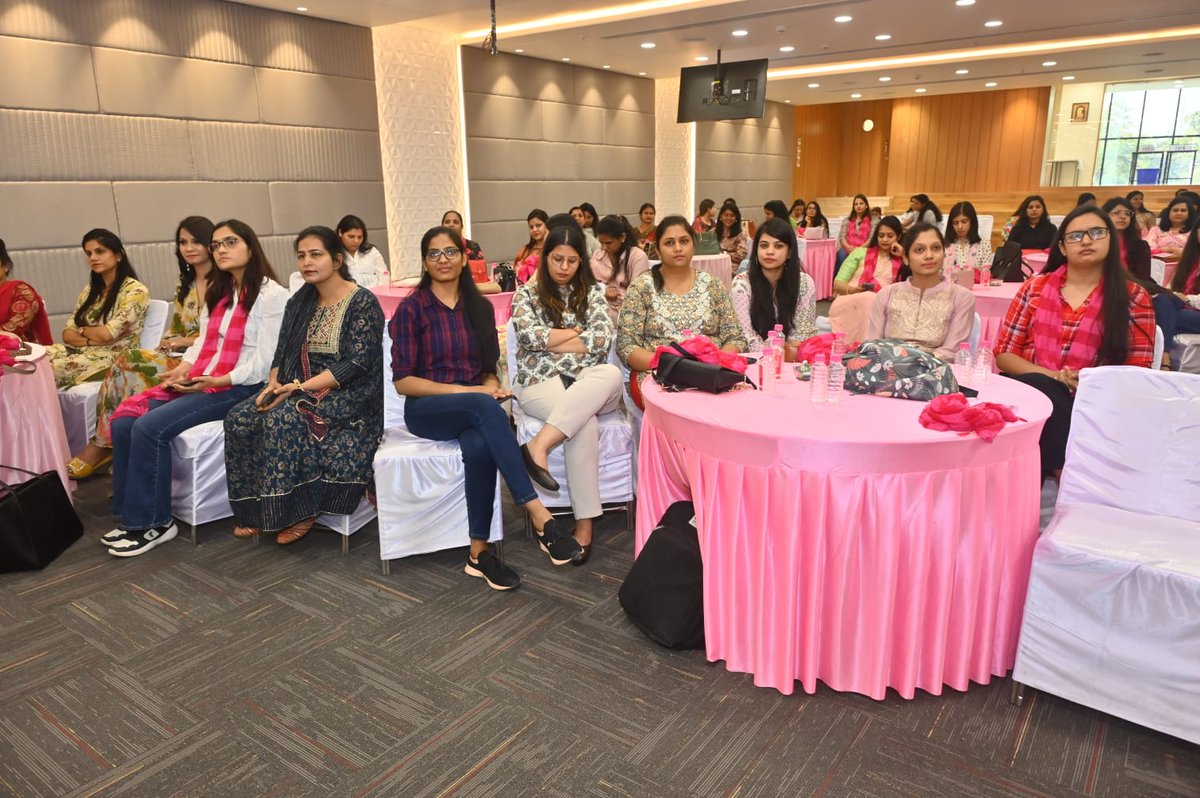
837 380
984 360
962 364
819 381
778 330
838 348
769 382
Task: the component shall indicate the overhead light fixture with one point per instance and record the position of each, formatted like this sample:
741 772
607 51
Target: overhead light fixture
606 66
642 74
566 59
855 96
991 84
1068 77
648 45
919 91
992 23
789 102
818 85
741 32
301 8
961 71
884 79
844 18
701 58
1049 63
518 50
883 37
1177 83
572 19
787 48
964 2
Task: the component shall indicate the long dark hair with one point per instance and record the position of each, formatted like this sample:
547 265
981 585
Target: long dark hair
1022 214
220 283
581 282
201 229
536 213
928 205
96 284
785 294
962 209
907 242
479 311
1164 218
798 201
891 223
735 228
616 226
351 222
331 242
675 220
818 221
589 208
777 208
1114 341
5 260
1189 261
1131 235
866 214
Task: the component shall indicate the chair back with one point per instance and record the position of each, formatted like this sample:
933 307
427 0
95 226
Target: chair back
1158 270
1133 444
976 331
985 227
1160 343
393 402
155 323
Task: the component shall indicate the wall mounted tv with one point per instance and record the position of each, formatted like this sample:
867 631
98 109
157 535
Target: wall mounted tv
734 90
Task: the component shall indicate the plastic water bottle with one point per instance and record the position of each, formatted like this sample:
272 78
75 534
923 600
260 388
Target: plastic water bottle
984 360
838 348
963 365
837 380
819 381
770 379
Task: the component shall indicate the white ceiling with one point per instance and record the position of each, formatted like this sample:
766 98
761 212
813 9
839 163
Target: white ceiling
916 27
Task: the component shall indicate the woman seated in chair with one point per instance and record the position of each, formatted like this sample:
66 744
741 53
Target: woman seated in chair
775 290
1170 235
137 370
618 262
864 272
1030 225
444 360
227 363
475 259
926 309
530 255
673 298
22 311
563 375
856 228
731 238
364 259
965 248
305 444
813 224
1135 252
1178 310
1081 311
108 317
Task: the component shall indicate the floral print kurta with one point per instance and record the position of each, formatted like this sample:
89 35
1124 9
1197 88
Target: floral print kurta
75 364
533 326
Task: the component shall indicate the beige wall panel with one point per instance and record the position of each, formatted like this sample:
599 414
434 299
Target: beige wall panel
626 128
561 122
227 150
295 206
516 76
150 211
57 275
561 196
43 145
144 25
601 162
296 98
505 201
606 90
494 117
712 165
715 136
141 84
54 214
496 159
626 197
51 75
500 241
156 267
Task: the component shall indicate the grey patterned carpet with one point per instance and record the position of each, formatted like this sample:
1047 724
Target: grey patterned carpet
231 669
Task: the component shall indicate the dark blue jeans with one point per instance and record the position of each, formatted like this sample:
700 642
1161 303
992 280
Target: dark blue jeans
142 453
482 430
1174 315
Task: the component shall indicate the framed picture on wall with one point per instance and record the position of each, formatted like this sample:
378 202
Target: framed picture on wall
1079 112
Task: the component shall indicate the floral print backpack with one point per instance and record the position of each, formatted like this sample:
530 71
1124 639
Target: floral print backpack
890 367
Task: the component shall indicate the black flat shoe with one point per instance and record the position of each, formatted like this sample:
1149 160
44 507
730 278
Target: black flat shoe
538 474
587 552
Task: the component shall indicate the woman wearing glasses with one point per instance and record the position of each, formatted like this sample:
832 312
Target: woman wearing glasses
228 362
1081 311
444 359
305 444
563 377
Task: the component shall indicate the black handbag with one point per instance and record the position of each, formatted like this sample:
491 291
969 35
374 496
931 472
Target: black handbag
37 522
663 595
684 370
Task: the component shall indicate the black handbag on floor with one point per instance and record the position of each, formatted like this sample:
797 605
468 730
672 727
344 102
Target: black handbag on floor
37 522
663 595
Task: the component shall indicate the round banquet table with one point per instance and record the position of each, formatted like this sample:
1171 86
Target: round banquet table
844 541
818 257
32 435
719 266
991 303
389 297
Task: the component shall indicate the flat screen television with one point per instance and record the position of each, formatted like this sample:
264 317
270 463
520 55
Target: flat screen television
734 90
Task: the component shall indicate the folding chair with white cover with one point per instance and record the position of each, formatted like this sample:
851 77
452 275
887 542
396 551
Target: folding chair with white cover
616 449
1112 615
976 331
1185 354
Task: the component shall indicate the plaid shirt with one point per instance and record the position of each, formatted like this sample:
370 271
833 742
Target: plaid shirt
432 341
1016 332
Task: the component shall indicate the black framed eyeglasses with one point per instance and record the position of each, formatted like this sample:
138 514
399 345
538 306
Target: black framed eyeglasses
1094 233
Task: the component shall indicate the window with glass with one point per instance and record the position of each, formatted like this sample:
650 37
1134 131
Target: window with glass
1149 135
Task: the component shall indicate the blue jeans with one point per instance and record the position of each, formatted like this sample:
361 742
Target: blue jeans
142 453
1174 315
482 430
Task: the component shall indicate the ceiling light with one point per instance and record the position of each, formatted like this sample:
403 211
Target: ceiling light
964 2
844 18
920 91
883 37
566 59
1177 83
606 66
642 74
788 101
1049 63
855 96
624 11
648 45
991 84
884 79
740 32
992 23
818 85
301 8
1068 77
701 58
518 50
961 71
787 48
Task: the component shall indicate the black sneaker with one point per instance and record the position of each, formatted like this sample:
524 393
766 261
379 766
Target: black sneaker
492 571
561 549
135 543
113 535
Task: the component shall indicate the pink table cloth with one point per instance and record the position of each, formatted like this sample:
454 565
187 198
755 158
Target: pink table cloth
819 258
991 303
389 298
32 435
845 542
1169 271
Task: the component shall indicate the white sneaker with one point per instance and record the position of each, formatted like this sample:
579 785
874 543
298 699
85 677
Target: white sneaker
113 535
135 543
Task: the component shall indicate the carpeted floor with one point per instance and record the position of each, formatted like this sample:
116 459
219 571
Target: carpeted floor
231 669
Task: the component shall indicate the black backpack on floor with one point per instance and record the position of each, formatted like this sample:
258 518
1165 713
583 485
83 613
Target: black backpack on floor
664 591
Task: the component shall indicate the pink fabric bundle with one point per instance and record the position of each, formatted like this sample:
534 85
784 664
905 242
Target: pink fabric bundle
705 351
952 413
812 348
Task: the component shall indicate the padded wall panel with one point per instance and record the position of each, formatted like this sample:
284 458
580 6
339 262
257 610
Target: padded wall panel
562 122
52 214
298 98
606 90
505 201
45 145
156 267
626 128
500 240
625 198
57 274
602 162
150 211
295 206
145 25
497 159
225 150
144 84
515 76
498 117
52 75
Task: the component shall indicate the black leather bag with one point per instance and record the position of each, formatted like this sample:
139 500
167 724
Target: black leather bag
37 522
663 595
1008 264
504 276
682 370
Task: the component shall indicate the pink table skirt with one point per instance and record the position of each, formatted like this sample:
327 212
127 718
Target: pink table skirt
846 543
32 435
1169 271
390 296
991 303
819 258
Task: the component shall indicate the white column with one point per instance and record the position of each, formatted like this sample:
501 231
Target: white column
674 154
421 136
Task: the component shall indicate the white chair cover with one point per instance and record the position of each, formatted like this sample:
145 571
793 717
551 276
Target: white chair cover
985 227
155 324
1158 270
1186 353
976 331
1112 616
1159 342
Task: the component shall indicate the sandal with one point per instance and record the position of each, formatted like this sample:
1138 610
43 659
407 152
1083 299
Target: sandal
245 531
80 469
295 531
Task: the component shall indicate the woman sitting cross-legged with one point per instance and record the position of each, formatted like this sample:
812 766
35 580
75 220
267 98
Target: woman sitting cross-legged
563 377
444 360
774 290
1075 314
229 362
305 444
926 309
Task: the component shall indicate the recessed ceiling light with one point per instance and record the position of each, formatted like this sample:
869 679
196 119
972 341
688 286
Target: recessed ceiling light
648 45
606 66
1068 77
740 32
518 50
1049 63
301 8
883 37
818 85
855 96
992 23
701 58
844 18
643 74
884 79
566 59
961 71
787 48
788 101
964 2
991 84
920 91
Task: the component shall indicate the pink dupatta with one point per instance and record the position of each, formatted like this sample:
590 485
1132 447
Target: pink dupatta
868 272
1084 342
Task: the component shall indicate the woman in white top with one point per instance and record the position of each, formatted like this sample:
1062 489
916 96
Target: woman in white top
965 249
366 263
229 361
775 290
618 261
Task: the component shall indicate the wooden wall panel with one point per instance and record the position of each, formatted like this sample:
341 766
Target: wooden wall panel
837 157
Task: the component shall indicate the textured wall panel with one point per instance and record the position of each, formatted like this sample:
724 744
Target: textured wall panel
606 90
497 159
144 25
150 211
295 206
142 84
747 159
626 198
500 240
601 162
561 122
626 128
57 274
52 75
225 150
494 117
44 145
54 214
298 98
516 76
674 154
510 200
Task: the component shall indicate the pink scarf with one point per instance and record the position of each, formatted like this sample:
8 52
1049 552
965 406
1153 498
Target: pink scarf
705 351
230 349
868 273
858 231
1190 287
1083 344
952 413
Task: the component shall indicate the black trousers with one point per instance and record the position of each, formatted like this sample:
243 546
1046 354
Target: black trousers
1053 442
